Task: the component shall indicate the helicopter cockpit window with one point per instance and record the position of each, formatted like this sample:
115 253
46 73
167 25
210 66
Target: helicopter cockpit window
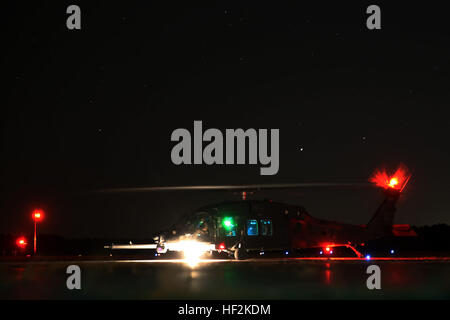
229 226
202 229
198 226
266 227
252 227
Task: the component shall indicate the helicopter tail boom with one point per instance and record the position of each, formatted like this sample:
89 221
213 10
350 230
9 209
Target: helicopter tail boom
381 224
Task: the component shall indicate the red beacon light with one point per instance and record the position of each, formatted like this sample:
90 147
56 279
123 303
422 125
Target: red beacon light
397 181
37 215
327 250
21 242
221 246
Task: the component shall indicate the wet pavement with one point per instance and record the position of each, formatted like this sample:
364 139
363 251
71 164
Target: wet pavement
227 279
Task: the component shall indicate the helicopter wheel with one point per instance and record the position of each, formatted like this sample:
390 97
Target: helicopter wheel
240 253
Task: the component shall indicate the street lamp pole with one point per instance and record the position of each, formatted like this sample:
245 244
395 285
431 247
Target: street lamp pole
35 235
37 216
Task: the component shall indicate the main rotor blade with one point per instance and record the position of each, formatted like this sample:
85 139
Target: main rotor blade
248 187
131 246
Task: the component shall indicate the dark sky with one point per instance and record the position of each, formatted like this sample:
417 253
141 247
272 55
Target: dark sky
95 108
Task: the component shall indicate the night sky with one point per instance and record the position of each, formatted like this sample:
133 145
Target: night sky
95 108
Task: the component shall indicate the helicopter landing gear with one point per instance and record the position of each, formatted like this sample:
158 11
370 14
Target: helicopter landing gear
239 252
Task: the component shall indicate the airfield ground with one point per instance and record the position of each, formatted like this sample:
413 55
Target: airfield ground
277 278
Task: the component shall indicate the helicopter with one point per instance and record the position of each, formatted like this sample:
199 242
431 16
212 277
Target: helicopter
239 228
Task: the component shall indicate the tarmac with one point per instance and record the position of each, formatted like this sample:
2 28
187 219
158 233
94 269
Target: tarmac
273 278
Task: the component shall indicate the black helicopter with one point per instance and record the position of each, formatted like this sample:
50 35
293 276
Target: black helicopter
241 227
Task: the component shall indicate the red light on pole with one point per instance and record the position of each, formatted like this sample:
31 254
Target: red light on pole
37 217
21 242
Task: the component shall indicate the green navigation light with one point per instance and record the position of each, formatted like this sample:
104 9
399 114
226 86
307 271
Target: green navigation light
228 222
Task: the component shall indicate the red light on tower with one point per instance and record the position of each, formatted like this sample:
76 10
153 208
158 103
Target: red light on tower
38 215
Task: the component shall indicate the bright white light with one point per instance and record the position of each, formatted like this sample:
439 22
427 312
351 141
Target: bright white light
192 250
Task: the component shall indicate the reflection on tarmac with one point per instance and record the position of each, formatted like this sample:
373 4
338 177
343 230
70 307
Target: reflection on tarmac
286 278
270 260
